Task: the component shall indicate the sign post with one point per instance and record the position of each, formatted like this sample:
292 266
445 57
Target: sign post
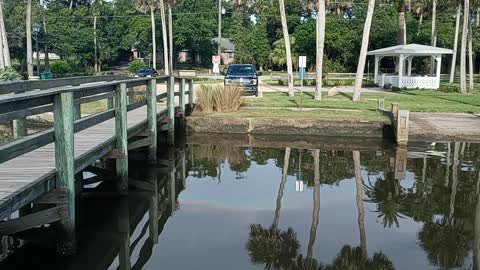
216 64
302 64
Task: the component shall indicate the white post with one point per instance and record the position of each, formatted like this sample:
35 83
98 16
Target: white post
410 60
377 62
439 69
400 71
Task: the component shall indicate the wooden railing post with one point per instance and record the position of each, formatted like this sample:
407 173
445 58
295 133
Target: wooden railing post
152 118
182 96
121 137
64 163
19 127
190 93
171 109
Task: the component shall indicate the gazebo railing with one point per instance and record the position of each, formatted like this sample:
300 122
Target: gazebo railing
409 82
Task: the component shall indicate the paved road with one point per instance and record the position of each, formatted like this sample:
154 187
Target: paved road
444 126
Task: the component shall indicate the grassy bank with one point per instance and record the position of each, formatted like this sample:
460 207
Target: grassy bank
415 101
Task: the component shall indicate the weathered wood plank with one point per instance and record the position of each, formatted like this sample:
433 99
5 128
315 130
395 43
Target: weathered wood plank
121 134
55 196
152 118
65 160
50 215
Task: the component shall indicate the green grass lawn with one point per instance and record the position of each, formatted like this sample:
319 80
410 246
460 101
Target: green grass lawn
413 100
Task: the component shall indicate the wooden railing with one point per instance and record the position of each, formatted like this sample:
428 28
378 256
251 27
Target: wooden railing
64 103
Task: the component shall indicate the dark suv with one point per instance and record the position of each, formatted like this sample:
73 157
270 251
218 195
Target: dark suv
147 72
243 76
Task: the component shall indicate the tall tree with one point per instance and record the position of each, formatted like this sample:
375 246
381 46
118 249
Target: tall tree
149 6
463 50
470 56
5 58
288 49
28 24
321 20
455 44
96 11
316 203
360 209
363 51
402 23
165 38
433 39
286 161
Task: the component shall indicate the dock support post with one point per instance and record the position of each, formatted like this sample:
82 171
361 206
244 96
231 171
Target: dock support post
182 97
152 118
64 163
171 178
402 127
171 110
190 93
124 231
19 128
121 137
153 209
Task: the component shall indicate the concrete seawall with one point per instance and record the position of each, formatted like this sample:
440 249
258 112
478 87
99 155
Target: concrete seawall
309 127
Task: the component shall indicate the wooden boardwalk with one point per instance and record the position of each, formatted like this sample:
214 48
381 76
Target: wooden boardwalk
37 168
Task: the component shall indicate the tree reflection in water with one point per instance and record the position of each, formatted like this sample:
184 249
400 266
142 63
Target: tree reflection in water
444 197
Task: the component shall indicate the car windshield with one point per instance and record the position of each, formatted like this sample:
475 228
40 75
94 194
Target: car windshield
241 70
142 70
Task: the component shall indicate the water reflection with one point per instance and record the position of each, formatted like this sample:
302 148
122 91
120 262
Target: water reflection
336 206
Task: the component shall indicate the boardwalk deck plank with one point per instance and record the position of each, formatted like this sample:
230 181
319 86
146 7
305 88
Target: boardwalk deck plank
32 167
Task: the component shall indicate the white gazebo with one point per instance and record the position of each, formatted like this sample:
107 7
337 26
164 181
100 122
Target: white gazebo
404 77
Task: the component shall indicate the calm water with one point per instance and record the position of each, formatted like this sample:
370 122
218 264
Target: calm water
284 208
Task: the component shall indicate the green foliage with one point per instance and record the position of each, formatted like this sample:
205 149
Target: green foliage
60 67
9 74
449 88
134 66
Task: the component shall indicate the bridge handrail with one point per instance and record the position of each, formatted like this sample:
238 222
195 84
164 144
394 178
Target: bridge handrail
20 106
23 86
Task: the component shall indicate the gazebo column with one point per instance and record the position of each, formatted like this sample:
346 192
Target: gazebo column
409 60
439 69
377 66
401 69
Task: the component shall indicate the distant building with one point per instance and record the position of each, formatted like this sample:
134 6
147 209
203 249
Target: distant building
228 50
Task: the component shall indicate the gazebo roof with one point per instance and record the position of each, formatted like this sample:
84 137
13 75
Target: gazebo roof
410 49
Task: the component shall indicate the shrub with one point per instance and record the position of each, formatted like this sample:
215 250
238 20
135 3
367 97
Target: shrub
449 88
134 66
9 74
387 86
219 98
280 82
60 67
396 89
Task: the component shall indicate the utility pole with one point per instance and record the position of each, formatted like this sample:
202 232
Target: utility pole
219 29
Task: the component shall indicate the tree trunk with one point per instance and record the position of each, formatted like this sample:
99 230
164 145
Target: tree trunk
288 51
463 50
471 68
29 39
165 38
219 48
154 38
3 33
447 167
360 209
476 237
433 38
316 204
170 38
95 43
420 22
45 45
2 63
402 31
363 50
455 44
320 47
454 181
286 160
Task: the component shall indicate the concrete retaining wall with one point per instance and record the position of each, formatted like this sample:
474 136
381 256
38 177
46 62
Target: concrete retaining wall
311 127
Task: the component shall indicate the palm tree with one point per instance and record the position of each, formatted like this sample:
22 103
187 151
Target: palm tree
96 11
273 248
463 68
29 39
360 209
316 203
288 50
470 56
170 5
433 38
402 25
363 50
455 44
164 37
149 6
5 59
321 20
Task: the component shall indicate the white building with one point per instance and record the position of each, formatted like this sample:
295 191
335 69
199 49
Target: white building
404 77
